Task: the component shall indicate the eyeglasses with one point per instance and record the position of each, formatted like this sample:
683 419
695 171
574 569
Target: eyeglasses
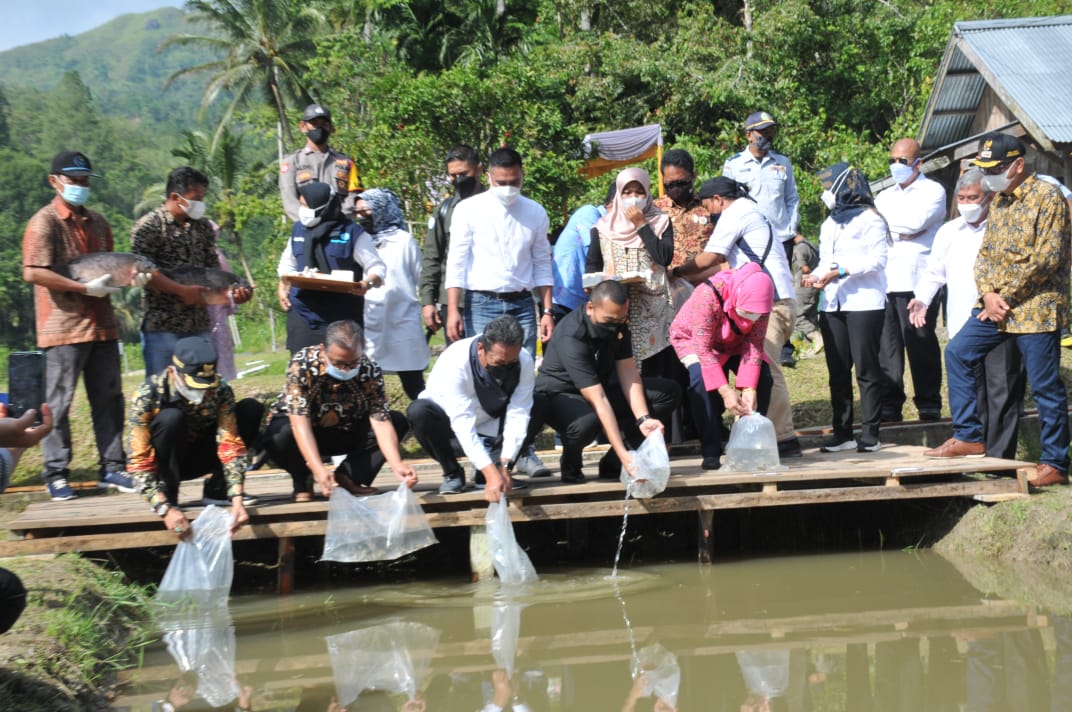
677 184
998 169
903 161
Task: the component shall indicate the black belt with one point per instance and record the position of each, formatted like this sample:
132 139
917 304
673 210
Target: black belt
504 296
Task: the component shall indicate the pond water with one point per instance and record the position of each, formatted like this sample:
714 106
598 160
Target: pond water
905 631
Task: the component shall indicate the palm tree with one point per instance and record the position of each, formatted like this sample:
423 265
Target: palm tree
265 46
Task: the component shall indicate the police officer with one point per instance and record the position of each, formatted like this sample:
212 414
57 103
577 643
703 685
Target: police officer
317 161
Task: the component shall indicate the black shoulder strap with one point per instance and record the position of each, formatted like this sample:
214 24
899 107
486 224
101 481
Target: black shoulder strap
750 253
722 306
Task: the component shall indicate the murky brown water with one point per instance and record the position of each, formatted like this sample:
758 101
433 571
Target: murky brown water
870 632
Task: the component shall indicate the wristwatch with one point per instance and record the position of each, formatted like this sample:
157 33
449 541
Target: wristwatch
544 311
642 418
161 509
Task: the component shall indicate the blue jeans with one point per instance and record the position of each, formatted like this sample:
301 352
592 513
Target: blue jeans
1042 357
481 309
158 346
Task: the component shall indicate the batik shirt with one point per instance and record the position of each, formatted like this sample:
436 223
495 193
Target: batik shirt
692 229
215 412
329 402
1025 257
163 240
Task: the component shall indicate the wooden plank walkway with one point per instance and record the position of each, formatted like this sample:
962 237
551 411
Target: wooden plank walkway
897 472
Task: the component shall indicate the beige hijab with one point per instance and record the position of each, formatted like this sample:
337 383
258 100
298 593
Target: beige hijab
616 226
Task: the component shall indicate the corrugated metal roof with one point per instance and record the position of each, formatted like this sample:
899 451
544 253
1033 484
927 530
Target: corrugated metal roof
1029 64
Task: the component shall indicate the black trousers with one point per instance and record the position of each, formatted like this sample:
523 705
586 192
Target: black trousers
363 457
666 364
182 457
708 406
851 341
431 426
412 383
570 415
924 357
1001 381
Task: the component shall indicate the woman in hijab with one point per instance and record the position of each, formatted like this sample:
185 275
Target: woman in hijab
853 242
394 337
324 240
722 328
635 241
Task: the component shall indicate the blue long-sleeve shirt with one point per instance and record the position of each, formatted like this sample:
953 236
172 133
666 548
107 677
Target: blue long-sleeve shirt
569 254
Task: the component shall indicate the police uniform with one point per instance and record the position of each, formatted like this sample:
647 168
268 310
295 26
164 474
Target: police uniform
771 182
332 167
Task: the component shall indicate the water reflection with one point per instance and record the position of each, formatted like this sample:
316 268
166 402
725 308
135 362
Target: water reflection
863 632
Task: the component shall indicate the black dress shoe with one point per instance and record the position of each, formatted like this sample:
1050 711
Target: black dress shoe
790 448
930 415
572 478
711 463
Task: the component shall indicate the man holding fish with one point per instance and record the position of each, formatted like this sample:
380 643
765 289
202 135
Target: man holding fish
75 324
176 237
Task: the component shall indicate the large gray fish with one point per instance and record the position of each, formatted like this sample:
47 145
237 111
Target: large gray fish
123 266
218 283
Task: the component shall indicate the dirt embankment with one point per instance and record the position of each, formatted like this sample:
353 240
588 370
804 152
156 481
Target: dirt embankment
82 623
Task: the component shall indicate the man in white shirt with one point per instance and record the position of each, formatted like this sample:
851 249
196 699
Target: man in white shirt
952 263
914 208
480 390
499 254
742 235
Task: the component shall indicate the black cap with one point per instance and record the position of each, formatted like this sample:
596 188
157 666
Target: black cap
316 111
997 148
195 358
72 163
722 185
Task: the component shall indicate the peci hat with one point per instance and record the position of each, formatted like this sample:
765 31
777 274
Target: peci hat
72 163
195 358
759 120
316 111
997 148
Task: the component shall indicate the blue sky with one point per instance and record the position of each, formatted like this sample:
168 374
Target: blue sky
29 21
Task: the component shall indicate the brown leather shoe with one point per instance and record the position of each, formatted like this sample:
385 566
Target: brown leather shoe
956 448
1047 475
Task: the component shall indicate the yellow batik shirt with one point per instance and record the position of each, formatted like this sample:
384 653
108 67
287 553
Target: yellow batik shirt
1025 257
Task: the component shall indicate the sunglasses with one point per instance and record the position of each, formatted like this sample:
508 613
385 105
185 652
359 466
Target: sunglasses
904 161
998 169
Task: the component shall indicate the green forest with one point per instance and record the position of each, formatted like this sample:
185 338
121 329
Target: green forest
221 86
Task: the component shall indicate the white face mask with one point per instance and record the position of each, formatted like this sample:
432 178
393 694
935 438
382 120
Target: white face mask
638 203
971 212
194 209
998 183
828 199
507 194
194 395
902 173
308 216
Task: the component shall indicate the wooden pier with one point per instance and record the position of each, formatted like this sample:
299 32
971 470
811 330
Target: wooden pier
897 472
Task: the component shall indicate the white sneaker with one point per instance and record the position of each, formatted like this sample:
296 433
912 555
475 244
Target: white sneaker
836 445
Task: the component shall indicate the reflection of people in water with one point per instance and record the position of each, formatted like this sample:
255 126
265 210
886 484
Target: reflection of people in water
1006 671
657 674
642 688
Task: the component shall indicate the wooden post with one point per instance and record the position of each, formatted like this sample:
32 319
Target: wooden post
285 564
706 542
480 563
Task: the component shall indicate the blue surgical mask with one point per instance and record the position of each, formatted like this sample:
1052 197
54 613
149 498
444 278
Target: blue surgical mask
75 194
340 374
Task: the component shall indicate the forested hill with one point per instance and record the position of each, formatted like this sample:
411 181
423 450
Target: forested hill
120 64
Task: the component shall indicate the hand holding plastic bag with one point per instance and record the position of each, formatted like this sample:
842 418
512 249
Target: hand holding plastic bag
752 446
392 657
205 561
652 464
512 564
377 528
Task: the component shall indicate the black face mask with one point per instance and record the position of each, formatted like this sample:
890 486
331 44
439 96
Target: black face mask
504 374
318 135
604 332
679 191
368 224
764 143
464 185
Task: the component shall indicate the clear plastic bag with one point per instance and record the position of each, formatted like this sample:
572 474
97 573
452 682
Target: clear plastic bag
204 562
661 671
378 528
505 631
753 446
512 564
392 657
201 639
652 463
680 291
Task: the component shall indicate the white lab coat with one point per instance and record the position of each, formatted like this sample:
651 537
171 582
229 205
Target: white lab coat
394 333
